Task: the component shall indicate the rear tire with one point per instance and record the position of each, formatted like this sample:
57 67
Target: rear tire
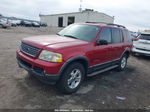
71 78
133 54
1 26
122 63
4 27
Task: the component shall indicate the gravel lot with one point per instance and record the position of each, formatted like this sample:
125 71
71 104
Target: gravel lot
129 89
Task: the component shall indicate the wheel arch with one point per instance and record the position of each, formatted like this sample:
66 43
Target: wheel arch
127 52
81 59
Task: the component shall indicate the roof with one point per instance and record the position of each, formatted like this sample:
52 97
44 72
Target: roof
77 13
15 18
145 33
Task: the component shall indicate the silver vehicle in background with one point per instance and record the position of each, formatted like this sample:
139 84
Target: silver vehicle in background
4 23
141 44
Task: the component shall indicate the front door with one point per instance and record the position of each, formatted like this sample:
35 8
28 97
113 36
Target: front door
102 53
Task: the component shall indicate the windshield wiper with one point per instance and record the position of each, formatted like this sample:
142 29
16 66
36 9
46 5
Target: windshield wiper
58 34
71 36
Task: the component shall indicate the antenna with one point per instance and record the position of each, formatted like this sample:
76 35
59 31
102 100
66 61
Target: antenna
80 9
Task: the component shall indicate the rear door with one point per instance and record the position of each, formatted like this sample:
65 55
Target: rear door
117 43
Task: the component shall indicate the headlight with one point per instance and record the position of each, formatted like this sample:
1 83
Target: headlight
134 45
50 56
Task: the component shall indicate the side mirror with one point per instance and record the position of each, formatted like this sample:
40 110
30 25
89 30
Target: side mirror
102 42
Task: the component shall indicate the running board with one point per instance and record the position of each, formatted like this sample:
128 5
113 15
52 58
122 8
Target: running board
101 71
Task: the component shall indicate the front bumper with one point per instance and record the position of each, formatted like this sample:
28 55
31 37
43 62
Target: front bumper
141 51
38 70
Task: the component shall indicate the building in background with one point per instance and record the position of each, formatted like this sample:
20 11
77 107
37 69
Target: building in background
87 15
146 30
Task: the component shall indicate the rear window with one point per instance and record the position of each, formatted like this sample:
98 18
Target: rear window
144 36
2 20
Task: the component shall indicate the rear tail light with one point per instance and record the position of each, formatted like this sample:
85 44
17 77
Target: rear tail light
135 39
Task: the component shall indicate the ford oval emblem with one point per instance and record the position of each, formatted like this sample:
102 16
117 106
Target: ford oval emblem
28 49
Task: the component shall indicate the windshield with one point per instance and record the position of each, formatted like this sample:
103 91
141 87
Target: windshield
144 36
3 20
82 32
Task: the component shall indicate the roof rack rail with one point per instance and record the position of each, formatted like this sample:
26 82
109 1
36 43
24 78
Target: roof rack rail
116 25
108 24
97 22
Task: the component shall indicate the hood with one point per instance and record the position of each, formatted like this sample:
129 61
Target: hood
52 41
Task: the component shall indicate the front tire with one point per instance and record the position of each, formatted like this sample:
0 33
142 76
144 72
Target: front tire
122 63
71 78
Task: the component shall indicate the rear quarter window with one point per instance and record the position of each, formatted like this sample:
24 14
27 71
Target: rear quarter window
128 35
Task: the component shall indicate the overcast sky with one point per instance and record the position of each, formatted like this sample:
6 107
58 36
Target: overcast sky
134 14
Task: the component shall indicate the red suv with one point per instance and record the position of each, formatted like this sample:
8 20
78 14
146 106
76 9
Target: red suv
76 52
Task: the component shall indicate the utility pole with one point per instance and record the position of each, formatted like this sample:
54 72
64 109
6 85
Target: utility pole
80 9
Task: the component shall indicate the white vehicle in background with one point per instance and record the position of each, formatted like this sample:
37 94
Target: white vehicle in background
35 24
13 23
141 44
18 22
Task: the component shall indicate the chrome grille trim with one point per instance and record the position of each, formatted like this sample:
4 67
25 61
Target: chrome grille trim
30 50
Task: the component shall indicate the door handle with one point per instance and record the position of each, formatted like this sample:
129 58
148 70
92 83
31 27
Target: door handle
110 47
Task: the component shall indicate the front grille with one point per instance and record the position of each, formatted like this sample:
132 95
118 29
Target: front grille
143 49
30 50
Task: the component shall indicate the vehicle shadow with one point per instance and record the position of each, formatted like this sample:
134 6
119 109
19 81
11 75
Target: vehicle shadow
110 78
33 84
142 57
